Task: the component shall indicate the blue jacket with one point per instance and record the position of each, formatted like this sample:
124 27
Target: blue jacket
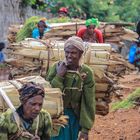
2 57
36 34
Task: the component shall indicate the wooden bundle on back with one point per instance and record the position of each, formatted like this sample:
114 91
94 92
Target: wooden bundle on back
97 56
53 102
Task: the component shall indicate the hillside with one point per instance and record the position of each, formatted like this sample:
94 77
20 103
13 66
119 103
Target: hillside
123 124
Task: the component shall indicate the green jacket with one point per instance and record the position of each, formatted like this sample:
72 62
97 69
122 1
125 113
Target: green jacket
79 93
8 126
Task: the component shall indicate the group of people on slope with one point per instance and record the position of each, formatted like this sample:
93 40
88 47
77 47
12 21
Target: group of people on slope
88 33
76 81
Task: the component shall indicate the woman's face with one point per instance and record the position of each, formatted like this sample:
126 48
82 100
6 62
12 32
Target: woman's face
72 55
32 107
41 27
90 29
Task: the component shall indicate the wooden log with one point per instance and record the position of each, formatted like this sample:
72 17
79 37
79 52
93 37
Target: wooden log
102 87
53 97
101 95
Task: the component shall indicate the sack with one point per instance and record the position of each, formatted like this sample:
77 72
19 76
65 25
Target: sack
53 102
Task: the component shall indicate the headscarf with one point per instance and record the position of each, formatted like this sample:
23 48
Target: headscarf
30 90
92 21
63 9
44 21
75 41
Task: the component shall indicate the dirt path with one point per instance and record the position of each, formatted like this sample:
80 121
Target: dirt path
119 125
122 124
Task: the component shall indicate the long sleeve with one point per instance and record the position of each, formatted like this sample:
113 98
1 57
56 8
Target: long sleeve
87 114
99 35
81 32
55 80
6 125
47 126
3 130
83 101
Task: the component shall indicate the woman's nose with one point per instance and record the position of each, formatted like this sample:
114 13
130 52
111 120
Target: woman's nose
69 54
37 107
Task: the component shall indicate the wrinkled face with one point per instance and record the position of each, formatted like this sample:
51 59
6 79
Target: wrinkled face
90 29
32 107
72 55
41 27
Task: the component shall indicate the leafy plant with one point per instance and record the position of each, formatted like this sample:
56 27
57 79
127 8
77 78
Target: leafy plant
26 30
129 102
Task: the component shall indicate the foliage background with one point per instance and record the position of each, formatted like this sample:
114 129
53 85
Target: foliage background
105 10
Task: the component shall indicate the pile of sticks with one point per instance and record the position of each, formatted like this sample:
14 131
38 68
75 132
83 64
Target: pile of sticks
107 66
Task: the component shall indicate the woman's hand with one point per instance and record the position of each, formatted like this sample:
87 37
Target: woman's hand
36 138
82 136
61 69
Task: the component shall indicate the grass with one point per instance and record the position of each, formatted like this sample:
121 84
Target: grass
3 65
129 102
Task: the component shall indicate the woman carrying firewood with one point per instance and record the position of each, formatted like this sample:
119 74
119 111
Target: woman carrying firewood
42 28
90 33
77 83
28 121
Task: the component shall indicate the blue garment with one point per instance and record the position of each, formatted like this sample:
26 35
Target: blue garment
2 57
36 34
70 132
137 57
132 53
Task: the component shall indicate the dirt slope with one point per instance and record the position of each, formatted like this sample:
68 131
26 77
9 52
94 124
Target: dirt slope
122 124
119 125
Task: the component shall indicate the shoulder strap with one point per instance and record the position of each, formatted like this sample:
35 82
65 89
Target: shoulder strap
19 123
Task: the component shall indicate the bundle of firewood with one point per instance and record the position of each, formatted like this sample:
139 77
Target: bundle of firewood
12 32
113 33
116 34
33 60
53 97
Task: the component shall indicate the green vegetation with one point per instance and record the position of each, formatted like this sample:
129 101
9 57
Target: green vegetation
129 102
105 10
3 65
26 30
31 23
59 20
36 4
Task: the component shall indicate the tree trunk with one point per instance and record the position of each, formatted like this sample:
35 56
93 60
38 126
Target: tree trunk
9 14
12 12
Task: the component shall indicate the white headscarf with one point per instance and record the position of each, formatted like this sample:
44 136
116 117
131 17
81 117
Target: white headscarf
75 41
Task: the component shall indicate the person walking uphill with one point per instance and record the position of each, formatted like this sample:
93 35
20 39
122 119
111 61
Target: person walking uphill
77 83
90 33
29 121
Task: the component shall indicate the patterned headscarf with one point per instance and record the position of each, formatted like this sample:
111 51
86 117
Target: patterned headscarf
75 41
92 21
30 90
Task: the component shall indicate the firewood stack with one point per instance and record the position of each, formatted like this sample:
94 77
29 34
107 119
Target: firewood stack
13 29
116 33
113 33
32 59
